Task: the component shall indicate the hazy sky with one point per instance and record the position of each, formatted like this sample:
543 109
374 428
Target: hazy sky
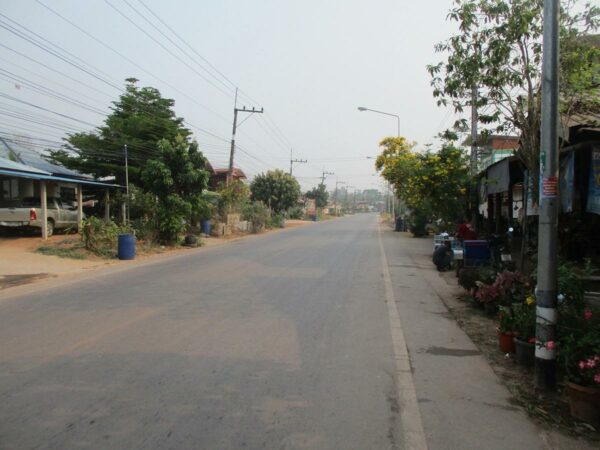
309 63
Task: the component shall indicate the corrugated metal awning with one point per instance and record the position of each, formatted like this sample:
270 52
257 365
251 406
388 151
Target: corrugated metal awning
43 176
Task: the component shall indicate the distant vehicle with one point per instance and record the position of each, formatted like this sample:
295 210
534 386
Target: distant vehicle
28 215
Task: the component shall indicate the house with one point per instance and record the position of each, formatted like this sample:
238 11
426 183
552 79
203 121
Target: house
219 176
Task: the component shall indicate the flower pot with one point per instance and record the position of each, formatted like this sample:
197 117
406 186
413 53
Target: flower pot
524 353
584 402
506 342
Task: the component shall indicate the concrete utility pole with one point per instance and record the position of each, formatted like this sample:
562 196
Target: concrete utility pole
126 217
474 209
325 176
235 113
335 195
292 160
545 357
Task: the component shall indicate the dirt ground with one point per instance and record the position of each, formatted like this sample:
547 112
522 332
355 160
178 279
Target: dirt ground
550 409
21 264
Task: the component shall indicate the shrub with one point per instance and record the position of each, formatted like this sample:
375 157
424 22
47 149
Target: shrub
257 214
296 212
100 237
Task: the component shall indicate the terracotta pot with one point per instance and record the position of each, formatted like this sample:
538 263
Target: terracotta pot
584 402
525 353
506 342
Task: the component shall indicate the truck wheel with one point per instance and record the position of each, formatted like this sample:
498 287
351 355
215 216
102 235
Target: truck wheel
50 228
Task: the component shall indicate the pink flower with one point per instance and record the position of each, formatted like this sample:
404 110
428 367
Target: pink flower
550 345
597 378
582 365
591 364
587 314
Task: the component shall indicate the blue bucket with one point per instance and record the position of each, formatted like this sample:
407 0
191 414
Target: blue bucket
206 226
126 246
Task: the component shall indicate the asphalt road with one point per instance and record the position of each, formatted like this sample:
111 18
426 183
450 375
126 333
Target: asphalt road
276 341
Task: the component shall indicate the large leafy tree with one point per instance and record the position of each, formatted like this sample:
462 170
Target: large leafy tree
140 118
319 194
498 50
276 189
177 176
431 184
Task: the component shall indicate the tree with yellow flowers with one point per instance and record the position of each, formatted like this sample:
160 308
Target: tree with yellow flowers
433 185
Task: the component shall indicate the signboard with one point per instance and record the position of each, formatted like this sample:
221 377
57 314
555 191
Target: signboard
550 187
593 200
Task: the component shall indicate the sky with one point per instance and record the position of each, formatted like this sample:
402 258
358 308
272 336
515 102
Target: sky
308 63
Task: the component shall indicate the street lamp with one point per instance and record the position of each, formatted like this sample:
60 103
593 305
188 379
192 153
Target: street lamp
362 108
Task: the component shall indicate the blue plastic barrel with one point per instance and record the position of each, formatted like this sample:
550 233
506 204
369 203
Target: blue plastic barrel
126 246
206 226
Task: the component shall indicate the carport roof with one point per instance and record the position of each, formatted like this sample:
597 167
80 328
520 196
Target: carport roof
18 170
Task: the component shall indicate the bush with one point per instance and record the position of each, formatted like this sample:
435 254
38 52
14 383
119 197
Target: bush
257 214
296 212
101 237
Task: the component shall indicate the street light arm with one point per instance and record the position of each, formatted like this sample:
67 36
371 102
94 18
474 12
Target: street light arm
362 108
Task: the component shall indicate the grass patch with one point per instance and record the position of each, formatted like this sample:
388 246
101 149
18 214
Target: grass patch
61 252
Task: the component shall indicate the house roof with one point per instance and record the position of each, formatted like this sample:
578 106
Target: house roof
7 164
19 151
237 173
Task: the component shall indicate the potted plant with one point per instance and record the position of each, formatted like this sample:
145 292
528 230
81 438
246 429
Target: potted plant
506 330
579 357
524 314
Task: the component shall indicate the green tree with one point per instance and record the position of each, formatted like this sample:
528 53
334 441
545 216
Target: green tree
431 184
276 189
498 50
176 176
320 195
139 119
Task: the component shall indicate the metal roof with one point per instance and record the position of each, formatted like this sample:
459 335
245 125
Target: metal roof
33 158
12 165
50 177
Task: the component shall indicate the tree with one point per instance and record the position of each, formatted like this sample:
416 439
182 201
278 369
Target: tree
499 51
320 195
139 119
177 177
431 184
276 189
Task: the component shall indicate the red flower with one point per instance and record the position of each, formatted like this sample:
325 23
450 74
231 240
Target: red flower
531 340
550 345
587 314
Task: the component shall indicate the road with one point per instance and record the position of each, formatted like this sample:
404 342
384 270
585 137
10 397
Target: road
328 336
276 341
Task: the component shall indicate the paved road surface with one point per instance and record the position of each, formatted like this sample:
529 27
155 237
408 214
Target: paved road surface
276 341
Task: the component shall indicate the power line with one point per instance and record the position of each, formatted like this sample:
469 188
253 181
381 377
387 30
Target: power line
126 17
129 60
52 52
50 92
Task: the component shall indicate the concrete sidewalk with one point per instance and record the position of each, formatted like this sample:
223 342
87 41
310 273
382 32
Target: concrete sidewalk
462 401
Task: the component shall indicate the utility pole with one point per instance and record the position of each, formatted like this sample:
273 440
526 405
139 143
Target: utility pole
546 316
235 113
126 215
335 195
325 176
474 209
292 160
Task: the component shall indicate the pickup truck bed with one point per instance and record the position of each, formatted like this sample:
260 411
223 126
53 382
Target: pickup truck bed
28 215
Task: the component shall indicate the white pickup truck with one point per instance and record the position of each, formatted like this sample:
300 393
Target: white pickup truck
28 215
